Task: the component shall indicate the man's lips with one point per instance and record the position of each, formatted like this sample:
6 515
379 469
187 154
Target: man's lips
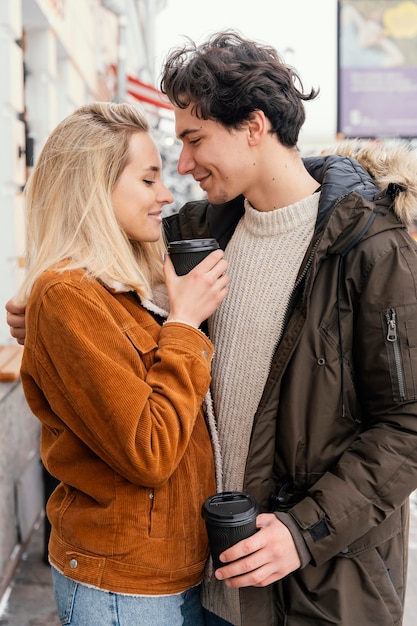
202 179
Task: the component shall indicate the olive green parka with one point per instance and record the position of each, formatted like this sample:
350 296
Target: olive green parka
334 439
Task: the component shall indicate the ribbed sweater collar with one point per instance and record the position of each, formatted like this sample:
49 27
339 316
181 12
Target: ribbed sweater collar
283 220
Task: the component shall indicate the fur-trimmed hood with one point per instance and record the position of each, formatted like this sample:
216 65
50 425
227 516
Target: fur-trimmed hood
386 163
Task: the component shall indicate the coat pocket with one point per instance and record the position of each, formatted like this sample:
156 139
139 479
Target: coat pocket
380 560
400 329
380 586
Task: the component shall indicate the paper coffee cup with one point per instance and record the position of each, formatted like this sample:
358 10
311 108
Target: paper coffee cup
188 253
230 516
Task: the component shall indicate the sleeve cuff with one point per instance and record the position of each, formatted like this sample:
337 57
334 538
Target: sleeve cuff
180 322
301 546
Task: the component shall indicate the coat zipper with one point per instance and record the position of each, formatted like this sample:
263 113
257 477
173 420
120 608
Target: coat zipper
307 266
392 338
292 298
287 314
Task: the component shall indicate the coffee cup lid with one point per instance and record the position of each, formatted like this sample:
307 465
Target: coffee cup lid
230 507
193 245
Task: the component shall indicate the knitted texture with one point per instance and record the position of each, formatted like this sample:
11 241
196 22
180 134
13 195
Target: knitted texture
264 257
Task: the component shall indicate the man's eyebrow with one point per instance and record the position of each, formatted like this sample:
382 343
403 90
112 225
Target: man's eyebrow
188 131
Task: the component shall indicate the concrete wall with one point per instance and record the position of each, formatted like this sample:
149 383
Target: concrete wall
21 495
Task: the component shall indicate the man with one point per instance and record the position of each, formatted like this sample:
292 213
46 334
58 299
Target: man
315 364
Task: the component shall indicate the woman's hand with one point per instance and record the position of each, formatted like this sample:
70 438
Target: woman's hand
196 295
16 321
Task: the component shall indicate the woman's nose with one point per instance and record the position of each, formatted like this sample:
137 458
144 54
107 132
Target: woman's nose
166 196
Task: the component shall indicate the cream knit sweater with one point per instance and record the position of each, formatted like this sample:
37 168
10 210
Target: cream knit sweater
264 257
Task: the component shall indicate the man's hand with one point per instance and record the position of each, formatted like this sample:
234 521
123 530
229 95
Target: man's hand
267 556
16 320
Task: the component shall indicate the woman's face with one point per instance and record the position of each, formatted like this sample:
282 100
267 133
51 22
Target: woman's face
139 194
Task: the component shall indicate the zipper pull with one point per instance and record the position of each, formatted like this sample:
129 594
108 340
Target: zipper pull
392 326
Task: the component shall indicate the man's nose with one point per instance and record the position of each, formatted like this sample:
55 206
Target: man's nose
185 162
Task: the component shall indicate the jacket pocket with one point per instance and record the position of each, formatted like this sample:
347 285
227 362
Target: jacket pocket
383 590
160 506
401 344
380 558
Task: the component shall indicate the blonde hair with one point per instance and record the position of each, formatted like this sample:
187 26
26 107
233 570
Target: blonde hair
70 218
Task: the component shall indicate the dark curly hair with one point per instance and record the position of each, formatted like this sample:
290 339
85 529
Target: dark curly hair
228 77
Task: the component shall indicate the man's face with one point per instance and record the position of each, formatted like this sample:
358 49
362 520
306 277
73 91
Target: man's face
217 157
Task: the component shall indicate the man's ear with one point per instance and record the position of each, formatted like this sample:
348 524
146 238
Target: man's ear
257 127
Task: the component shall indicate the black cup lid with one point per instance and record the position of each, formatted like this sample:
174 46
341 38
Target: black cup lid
192 245
230 505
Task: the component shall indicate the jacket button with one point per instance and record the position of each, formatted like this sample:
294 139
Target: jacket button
73 563
321 361
205 355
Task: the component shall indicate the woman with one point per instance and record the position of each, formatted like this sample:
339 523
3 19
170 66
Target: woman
116 380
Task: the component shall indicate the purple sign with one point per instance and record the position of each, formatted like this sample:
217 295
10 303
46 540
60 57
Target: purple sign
377 68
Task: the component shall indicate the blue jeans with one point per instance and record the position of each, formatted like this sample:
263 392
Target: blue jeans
210 619
79 605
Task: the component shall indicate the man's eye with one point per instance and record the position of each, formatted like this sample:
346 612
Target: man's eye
194 141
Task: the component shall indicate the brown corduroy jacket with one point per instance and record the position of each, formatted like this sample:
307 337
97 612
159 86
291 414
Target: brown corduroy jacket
119 397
